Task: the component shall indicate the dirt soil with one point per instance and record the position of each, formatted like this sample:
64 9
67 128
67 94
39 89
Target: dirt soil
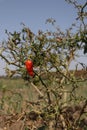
35 121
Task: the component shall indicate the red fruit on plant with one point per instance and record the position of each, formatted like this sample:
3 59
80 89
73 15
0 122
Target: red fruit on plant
29 67
31 73
29 64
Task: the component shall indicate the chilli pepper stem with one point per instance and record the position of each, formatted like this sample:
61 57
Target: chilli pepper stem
48 94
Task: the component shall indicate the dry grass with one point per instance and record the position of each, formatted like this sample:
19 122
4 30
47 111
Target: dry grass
21 107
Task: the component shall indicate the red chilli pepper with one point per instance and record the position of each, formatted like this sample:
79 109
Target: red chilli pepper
29 67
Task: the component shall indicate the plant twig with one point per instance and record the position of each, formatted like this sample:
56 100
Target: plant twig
63 122
41 94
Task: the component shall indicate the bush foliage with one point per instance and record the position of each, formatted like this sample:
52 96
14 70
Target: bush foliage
52 53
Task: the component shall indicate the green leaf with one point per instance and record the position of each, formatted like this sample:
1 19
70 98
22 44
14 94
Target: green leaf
42 128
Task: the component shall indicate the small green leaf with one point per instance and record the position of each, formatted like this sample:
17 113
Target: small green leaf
42 128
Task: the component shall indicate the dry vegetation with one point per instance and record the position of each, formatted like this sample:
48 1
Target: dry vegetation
48 101
21 108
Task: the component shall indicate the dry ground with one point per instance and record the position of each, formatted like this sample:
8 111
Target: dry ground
29 119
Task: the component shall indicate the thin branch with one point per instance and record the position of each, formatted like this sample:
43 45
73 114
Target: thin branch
47 91
82 111
82 10
3 57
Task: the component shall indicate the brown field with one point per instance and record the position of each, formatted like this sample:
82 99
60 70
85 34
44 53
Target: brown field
20 109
